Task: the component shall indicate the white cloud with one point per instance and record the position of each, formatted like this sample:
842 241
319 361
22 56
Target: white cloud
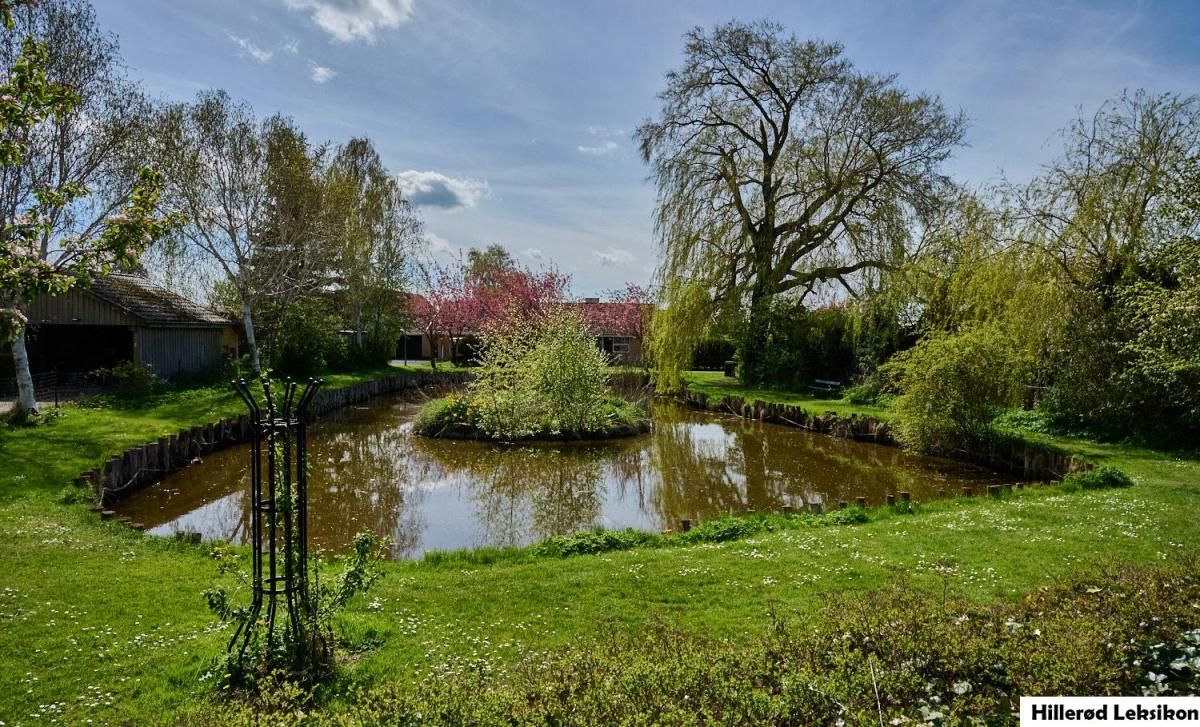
350 20
249 48
607 147
321 74
533 253
613 257
605 131
434 189
437 243
292 47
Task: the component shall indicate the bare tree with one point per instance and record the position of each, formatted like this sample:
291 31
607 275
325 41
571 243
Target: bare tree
780 168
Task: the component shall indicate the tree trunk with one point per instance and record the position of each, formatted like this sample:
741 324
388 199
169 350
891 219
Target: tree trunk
432 352
248 322
27 397
753 341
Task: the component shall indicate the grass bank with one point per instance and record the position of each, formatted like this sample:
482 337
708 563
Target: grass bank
716 385
107 624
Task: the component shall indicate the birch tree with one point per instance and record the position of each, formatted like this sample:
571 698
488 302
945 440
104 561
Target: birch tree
75 199
215 154
375 231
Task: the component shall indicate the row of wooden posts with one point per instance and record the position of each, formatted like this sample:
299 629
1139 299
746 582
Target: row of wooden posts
150 463
817 507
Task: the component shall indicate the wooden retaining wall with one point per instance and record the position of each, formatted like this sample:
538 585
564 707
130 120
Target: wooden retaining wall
1024 460
147 464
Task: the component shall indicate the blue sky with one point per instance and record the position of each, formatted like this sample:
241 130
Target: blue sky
510 121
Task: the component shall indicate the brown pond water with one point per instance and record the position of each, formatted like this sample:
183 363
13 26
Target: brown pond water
370 472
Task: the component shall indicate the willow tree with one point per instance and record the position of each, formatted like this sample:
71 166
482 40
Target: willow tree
782 169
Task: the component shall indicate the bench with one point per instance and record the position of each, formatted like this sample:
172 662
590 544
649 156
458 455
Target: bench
825 386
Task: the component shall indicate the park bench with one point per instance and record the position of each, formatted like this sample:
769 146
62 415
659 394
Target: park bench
825 386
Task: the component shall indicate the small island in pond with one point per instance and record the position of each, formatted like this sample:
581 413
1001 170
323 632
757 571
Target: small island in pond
462 417
541 377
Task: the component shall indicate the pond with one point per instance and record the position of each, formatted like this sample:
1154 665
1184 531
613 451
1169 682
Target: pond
368 471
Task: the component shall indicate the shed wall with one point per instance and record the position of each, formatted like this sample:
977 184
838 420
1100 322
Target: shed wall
175 351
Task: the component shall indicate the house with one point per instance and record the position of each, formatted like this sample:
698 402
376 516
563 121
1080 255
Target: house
613 322
125 317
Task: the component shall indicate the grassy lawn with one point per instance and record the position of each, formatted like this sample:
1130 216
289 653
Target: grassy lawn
716 385
107 624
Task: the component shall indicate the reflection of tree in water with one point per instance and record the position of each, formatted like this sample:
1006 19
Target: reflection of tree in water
709 466
361 479
694 467
526 493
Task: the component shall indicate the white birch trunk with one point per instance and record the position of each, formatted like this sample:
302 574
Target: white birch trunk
248 322
27 397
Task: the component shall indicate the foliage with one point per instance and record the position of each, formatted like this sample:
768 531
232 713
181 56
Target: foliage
128 379
372 230
800 345
897 655
302 653
953 388
685 319
1119 214
65 124
711 354
866 393
549 375
568 371
1097 478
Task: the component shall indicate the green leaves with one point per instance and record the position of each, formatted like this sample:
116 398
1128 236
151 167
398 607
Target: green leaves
550 372
27 265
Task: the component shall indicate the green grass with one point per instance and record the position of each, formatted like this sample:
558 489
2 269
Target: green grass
107 624
716 385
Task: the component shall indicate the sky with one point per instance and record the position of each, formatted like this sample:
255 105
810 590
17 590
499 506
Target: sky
510 121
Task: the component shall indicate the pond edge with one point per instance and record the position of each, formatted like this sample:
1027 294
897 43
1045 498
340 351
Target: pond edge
1009 454
148 464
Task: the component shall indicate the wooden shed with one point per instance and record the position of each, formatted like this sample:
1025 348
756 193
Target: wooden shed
123 317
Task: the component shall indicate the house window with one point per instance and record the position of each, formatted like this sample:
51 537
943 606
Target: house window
620 345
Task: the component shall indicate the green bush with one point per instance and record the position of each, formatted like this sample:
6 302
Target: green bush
799 345
1098 478
712 353
867 394
535 380
953 387
127 379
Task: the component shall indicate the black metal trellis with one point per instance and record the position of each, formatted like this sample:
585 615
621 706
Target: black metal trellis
279 510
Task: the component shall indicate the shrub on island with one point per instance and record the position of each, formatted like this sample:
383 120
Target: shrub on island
541 379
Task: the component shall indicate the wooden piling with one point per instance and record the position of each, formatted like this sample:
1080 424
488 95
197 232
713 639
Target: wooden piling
891 499
860 501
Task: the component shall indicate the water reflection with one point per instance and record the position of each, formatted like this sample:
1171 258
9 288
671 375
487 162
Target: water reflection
369 472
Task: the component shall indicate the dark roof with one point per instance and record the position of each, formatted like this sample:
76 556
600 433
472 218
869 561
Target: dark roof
152 303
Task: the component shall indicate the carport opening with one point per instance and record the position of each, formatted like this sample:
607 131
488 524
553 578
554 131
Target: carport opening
78 349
